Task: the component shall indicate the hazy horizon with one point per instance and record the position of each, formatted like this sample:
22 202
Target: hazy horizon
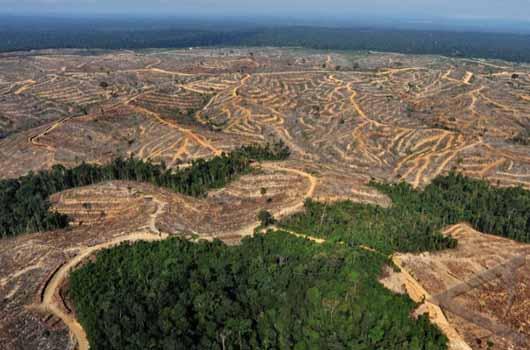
19 18
473 10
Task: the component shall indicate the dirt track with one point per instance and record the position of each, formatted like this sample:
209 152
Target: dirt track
24 87
308 194
51 300
390 118
34 139
417 293
189 133
51 290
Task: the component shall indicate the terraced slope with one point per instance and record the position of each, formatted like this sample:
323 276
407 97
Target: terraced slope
347 118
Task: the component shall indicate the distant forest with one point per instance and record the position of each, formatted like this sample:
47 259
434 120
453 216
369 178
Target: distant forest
17 35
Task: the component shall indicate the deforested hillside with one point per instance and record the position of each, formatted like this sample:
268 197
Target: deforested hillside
298 198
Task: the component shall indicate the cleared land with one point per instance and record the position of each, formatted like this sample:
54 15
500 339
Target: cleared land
347 118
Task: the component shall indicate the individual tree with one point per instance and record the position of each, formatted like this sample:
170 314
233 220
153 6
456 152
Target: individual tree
265 218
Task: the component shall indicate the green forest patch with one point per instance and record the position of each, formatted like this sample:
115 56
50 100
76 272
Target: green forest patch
414 220
278 291
273 291
25 206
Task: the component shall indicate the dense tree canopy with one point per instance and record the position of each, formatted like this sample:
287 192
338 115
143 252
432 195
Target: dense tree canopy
24 204
274 291
414 220
277 291
455 198
16 35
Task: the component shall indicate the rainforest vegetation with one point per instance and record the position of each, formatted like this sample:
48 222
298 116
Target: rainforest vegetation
273 291
99 33
415 218
278 291
24 202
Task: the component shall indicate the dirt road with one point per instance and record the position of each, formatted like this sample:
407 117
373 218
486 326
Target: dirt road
189 133
49 302
34 139
27 85
309 193
417 293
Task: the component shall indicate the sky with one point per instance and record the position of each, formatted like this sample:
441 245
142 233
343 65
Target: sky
509 10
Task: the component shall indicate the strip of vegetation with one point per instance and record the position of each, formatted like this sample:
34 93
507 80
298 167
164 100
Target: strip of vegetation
24 202
274 291
414 220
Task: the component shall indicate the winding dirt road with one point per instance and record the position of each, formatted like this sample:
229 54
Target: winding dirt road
189 133
313 182
49 302
27 85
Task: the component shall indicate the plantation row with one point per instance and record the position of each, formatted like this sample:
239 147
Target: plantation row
273 291
24 202
414 220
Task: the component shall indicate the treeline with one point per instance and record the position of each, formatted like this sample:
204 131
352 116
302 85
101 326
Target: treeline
511 47
274 291
24 202
415 218
277 291
15 35
455 198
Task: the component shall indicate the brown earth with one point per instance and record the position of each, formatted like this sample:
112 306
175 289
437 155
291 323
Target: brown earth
348 118
393 117
482 286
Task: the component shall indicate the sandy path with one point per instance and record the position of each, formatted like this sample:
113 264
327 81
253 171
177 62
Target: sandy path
467 78
49 302
34 139
250 229
156 70
391 71
311 238
27 85
190 134
309 193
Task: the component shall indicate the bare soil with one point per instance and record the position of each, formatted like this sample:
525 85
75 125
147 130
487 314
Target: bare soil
392 117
